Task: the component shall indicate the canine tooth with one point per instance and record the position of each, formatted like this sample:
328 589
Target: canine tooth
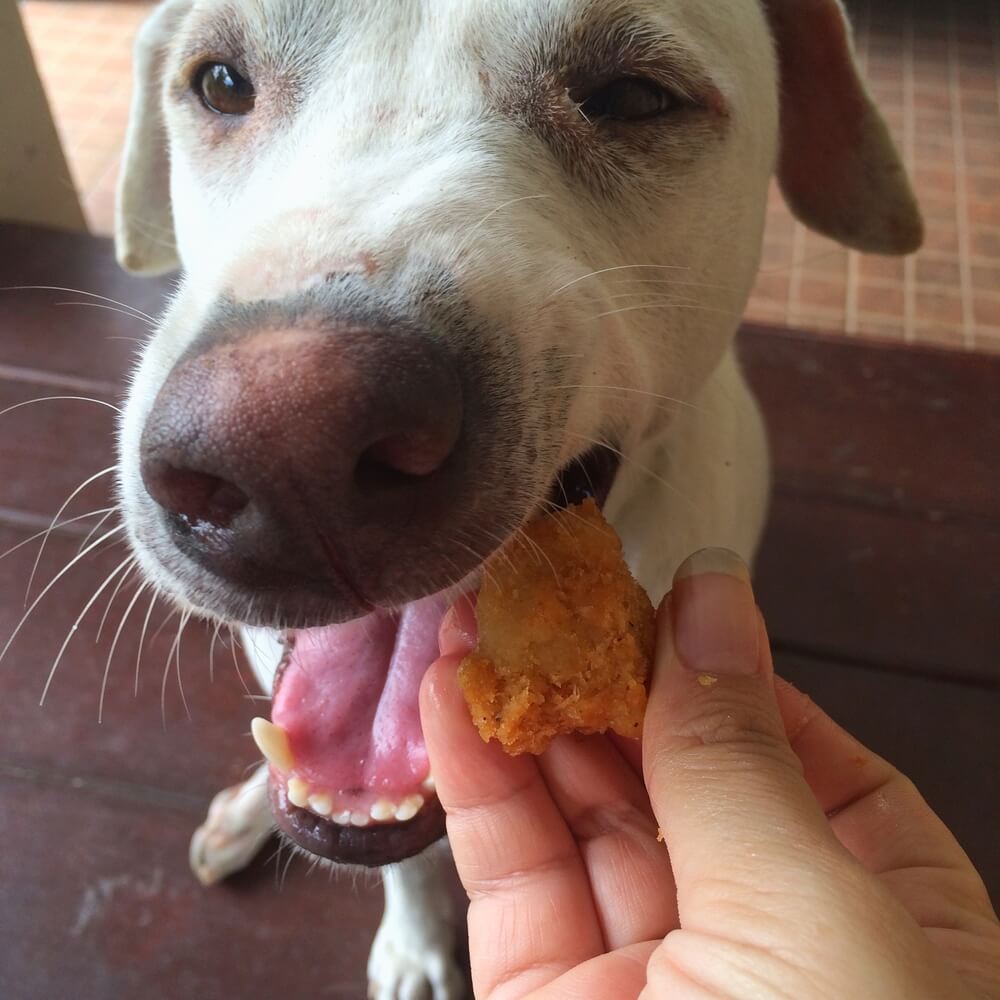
321 804
360 819
272 741
409 807
298 792
428 785
342 818
382 810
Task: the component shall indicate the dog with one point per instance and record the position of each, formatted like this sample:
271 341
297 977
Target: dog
444 264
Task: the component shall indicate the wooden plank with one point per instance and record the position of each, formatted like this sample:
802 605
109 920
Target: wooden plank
151 740
908 429
863 584
90 340
50 447
99 903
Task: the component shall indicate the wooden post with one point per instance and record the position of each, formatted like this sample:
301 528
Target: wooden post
35 182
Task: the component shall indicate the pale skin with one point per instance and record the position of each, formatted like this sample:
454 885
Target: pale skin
796 863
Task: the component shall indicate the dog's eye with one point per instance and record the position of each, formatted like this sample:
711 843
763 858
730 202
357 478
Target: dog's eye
223 90
628 99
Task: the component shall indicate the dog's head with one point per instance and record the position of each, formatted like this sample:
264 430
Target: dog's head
442 260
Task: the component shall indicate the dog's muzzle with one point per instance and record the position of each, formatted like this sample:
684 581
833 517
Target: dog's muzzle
341 482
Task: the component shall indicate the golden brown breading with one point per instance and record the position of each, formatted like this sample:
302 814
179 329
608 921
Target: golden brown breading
565 636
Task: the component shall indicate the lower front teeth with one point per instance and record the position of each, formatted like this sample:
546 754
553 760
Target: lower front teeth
409 807
298 793
383 810
321 804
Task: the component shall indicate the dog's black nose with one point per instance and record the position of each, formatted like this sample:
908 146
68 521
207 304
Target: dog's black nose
276 453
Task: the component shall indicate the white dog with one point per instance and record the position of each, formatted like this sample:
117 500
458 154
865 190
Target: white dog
445 262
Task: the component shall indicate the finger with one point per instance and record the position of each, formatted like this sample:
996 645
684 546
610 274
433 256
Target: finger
531 916
606 808
631 750
621 975
459 630
875 811
725 785
597 787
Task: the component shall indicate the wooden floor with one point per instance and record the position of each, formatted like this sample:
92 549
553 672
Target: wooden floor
878 576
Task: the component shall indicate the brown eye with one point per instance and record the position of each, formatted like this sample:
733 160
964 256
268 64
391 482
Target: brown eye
628 99
223 90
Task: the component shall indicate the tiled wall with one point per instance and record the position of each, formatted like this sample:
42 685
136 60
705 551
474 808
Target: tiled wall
934 69
933 66
83 51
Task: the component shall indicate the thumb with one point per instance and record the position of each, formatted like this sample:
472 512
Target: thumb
726 787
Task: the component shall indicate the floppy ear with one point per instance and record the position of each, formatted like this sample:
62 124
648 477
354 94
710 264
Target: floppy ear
838 169
144 225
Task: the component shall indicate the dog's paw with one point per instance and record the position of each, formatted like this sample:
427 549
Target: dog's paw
405 965
238 823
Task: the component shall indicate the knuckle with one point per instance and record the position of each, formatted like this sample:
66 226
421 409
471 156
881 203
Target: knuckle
729 726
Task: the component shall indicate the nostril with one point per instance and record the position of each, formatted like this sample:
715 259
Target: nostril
198 497
401 458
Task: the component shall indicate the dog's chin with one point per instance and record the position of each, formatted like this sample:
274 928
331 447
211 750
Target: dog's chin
349 776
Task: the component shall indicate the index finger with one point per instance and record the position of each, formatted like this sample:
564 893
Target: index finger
532 914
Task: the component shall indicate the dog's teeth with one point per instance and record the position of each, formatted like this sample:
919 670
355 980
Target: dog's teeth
321 804
272 741
360 819
383 810
428 785
409 807
342 818
298 792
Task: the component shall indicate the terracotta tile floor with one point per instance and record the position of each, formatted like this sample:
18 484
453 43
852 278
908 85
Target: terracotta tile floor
934 68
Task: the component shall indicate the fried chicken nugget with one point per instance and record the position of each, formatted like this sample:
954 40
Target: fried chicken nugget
565 637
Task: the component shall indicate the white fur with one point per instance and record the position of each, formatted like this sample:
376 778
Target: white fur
395 154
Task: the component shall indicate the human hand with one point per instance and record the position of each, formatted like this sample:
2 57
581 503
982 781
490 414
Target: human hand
800 864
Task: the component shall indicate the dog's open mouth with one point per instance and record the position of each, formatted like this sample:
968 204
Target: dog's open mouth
350 780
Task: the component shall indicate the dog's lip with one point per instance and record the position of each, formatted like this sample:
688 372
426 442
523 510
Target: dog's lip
370 846
590 475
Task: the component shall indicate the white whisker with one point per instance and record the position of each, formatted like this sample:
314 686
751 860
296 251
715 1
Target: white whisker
638 392
58 514
114 646
236 660
52 583
638 465
175 648
513 201
62 649
97 527
115 309
668 304
138 313
610 270
54 399
111 600
61 524
142 638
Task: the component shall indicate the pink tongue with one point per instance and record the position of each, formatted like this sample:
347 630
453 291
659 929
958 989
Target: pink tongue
348 701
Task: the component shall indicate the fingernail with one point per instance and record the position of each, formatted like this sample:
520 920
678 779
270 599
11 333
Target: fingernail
715 615
457 632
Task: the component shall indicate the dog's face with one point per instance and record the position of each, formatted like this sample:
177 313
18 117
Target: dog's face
443 262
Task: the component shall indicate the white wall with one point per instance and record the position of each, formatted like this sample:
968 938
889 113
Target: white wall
35 183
